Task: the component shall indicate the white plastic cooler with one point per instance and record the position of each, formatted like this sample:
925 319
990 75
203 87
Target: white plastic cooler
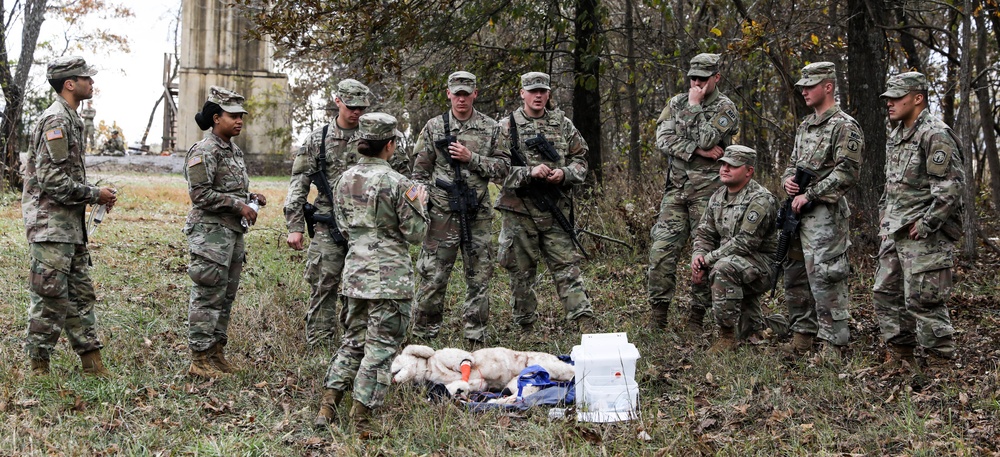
606 390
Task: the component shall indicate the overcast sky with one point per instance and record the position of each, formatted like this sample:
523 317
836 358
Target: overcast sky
128 83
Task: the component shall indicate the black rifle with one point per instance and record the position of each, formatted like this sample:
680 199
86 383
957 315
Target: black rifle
543 194
788 222
319 178
542 146
462 199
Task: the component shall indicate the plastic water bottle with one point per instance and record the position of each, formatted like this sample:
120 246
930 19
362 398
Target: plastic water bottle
256 207
96 216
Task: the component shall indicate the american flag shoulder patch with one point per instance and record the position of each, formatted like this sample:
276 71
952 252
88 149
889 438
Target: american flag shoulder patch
53 134
411 193
194 161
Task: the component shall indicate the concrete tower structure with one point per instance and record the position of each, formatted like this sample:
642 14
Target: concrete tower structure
215 51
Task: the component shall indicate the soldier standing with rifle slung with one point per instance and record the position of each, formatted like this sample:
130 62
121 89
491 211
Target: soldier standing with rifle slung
921 222
457 154
548 155
56 195
692 132
733 245
828 145
326 153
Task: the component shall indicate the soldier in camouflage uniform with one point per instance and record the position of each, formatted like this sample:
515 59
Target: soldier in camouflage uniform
480 157
528 233
380 212
921 212
691 132
54 203
733 247
218 186
88 113
828 144
114 146
325 258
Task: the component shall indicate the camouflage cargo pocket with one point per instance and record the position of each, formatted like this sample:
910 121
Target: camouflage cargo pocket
205 272
833 270
931 278
46 281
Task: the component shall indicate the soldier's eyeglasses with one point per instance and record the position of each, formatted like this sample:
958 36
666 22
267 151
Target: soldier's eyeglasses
356 108
700 79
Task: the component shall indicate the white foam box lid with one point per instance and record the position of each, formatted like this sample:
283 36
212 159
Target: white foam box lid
600 354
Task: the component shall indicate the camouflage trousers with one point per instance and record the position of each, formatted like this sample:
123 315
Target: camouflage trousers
680 211
816 272
523 240
912 286
217 256
375 331
737 284
324 265
437 258
88 137
62 298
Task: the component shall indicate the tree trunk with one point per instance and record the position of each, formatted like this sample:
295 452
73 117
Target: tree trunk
586 86
951 75
634 151
906 39
866 69
986 104
965 133
13 88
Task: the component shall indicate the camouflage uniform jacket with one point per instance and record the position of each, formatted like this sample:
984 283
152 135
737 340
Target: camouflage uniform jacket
341 153
379 213
88 115
924 179
56 192
218 183
568 142
741 225
830 145
682 128
490 158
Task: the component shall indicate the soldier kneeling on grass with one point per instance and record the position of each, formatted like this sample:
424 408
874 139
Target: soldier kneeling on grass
733 246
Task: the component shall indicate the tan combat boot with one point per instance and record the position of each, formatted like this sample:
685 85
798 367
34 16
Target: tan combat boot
328 407
799 345
829 354
696 322
39 367
361 418
900 356
939 364
219 358
586 324
92 364
658 317
202 366
726 341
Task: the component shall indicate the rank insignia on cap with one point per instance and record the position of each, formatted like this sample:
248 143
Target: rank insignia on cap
411 193
194 161
53 134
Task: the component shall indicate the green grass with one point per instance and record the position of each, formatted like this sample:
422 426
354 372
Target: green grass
750 402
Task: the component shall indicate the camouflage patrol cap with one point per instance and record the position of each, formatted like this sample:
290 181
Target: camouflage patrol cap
535 80
462 81
903 83
64 67
378 126
230 101
738 155
353 93
704 65
816 73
